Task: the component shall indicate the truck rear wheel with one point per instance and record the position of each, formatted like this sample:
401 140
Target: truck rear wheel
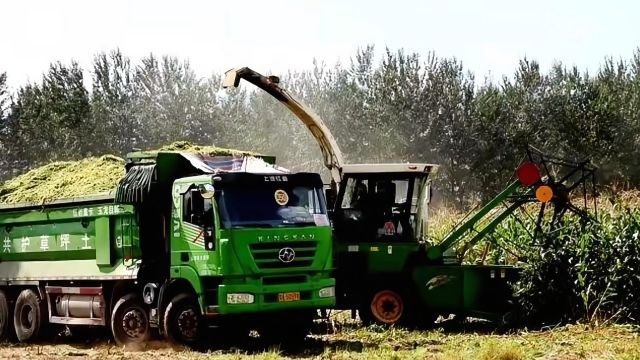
130 321
6 319
29 316
183 321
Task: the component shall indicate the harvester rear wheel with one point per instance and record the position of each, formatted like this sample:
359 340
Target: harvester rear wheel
130 322
29 316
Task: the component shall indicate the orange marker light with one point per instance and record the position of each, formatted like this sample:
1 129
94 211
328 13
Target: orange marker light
544 193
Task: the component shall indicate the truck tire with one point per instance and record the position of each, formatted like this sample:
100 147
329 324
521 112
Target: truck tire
183 322
130 322
6 319
29 316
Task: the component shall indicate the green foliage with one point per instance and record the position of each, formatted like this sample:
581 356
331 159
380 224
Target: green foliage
381 107
584 272
4 97
50 120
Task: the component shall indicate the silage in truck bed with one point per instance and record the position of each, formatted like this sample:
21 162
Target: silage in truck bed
66 179
184 146
90 176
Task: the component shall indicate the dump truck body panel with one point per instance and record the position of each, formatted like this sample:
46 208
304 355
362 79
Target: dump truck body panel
82 242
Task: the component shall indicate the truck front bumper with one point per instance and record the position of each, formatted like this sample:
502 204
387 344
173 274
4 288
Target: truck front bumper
256 297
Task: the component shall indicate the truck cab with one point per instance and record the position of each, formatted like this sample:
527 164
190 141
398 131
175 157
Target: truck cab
246 243
264 240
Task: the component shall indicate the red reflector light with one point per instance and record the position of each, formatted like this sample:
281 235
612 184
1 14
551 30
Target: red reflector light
412 167
528 174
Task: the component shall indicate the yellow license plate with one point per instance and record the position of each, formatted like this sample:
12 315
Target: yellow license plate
289 296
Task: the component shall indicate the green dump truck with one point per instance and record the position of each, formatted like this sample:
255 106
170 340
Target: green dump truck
185 241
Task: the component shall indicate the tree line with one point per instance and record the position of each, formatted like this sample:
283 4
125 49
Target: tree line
381 107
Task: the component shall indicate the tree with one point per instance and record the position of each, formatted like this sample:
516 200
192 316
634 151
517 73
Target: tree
112 103
4 96
172 103
51 121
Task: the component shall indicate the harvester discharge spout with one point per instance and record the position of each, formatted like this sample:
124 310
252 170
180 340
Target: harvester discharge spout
332 156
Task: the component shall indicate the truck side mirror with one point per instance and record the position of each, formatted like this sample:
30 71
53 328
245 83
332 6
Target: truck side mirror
207 191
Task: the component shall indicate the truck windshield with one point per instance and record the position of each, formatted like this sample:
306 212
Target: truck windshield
265 206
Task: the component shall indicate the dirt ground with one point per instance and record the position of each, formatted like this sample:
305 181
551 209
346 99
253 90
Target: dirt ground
354 342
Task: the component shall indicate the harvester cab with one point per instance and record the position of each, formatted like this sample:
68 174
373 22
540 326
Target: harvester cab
382 202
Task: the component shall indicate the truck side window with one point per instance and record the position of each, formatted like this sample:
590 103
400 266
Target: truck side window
193 207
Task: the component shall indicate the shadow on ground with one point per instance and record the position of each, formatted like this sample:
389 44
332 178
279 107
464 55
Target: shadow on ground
325 337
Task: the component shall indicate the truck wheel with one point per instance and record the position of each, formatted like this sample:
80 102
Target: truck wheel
6 328
183 321
29 316
130 322
386 307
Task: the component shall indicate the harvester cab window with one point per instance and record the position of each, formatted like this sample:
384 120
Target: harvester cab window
378 206
393 208
356 195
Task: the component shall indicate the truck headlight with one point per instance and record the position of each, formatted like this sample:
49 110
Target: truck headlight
327 292
240 298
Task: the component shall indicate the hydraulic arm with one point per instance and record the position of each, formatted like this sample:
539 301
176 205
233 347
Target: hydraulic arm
331 153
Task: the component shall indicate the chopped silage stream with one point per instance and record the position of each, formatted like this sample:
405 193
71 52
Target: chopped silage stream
86 177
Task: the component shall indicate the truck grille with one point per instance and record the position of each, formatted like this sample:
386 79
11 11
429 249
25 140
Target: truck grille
274 256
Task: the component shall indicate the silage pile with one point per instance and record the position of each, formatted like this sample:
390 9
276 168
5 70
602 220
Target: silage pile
184 146
90 176
66 179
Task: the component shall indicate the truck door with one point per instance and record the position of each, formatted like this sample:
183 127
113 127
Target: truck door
193 236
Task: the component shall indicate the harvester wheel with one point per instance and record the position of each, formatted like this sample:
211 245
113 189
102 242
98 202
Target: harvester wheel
6 318
183 322
130 322
29 316
385 307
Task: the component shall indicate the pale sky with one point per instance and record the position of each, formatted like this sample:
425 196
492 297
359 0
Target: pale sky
274 36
